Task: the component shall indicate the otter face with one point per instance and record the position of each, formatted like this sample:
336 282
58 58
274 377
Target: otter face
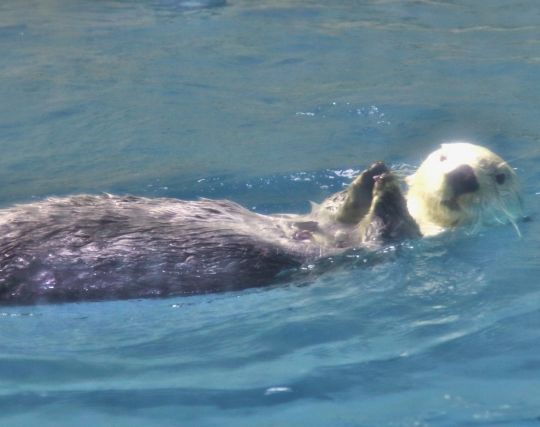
463 184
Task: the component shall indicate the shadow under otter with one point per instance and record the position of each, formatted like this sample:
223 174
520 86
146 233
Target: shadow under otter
90 248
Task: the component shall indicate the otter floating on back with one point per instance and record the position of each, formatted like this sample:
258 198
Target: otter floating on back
85 248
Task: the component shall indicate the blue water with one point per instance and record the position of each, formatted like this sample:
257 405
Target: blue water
274 103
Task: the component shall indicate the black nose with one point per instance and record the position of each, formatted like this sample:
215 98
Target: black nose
462 180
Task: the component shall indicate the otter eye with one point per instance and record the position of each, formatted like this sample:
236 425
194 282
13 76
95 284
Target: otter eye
442 158
500 178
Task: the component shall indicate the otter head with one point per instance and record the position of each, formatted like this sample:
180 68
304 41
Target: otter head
463 184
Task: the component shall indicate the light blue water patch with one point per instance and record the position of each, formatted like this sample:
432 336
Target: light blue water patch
273 104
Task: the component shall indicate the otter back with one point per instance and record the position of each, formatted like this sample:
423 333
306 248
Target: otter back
106 247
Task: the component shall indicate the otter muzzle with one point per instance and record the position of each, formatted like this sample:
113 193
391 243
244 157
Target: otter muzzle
462 180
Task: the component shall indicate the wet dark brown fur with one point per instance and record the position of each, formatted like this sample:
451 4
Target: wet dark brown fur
85 248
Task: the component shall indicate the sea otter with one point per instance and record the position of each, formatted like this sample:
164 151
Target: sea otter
89 248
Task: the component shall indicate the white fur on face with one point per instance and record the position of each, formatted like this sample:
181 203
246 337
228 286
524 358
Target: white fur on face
433 204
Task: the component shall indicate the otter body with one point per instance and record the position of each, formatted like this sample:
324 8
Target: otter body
108 247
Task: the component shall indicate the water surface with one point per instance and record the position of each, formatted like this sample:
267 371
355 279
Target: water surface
272 104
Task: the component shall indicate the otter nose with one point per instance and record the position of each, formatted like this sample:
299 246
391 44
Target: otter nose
462 180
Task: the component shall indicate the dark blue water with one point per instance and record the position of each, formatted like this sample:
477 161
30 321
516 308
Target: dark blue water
272 104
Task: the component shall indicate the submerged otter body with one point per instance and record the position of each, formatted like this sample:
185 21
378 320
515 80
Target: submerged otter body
108 247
